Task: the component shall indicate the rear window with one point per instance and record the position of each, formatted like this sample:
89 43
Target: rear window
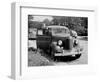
40 32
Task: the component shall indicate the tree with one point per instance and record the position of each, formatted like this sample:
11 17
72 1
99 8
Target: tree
79 24
30 17
47 22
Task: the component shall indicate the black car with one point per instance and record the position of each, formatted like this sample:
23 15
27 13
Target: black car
58 41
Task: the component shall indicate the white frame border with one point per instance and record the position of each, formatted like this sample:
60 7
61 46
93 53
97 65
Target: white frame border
16 31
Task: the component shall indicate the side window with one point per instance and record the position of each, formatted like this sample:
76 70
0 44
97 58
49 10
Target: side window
47 32
40 32
68 31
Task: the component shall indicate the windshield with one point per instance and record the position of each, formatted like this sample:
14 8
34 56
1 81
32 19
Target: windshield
60 31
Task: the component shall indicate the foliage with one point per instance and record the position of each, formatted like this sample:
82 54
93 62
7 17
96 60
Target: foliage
79 24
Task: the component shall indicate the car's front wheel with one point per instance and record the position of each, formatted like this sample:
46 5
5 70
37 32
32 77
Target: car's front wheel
76 56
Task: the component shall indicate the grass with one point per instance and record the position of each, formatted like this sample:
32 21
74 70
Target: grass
35 59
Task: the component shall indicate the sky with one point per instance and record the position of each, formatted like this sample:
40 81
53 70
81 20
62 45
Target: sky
42 18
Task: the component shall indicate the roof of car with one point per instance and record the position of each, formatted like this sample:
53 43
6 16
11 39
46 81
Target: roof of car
57 26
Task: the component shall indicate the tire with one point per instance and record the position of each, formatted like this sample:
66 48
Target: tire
52 55
77 56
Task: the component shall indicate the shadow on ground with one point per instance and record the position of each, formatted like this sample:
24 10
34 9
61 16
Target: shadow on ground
66 58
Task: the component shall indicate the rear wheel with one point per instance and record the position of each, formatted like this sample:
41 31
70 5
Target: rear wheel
52 54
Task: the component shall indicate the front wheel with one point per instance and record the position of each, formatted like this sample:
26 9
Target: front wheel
77 56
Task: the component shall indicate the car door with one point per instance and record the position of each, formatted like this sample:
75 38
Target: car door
43 40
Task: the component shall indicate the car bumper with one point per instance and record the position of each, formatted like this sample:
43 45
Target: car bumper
68 53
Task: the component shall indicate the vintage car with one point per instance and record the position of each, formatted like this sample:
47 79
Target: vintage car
58 41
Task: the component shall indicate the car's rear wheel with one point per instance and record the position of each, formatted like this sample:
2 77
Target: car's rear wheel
52 54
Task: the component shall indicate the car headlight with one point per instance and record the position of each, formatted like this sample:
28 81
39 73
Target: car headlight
60 42
76 41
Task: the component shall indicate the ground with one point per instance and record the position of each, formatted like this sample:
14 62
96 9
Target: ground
36 59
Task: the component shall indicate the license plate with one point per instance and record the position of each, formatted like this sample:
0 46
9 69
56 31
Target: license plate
58 54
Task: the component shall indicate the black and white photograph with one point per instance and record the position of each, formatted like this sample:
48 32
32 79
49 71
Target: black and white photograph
57 40
53 41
